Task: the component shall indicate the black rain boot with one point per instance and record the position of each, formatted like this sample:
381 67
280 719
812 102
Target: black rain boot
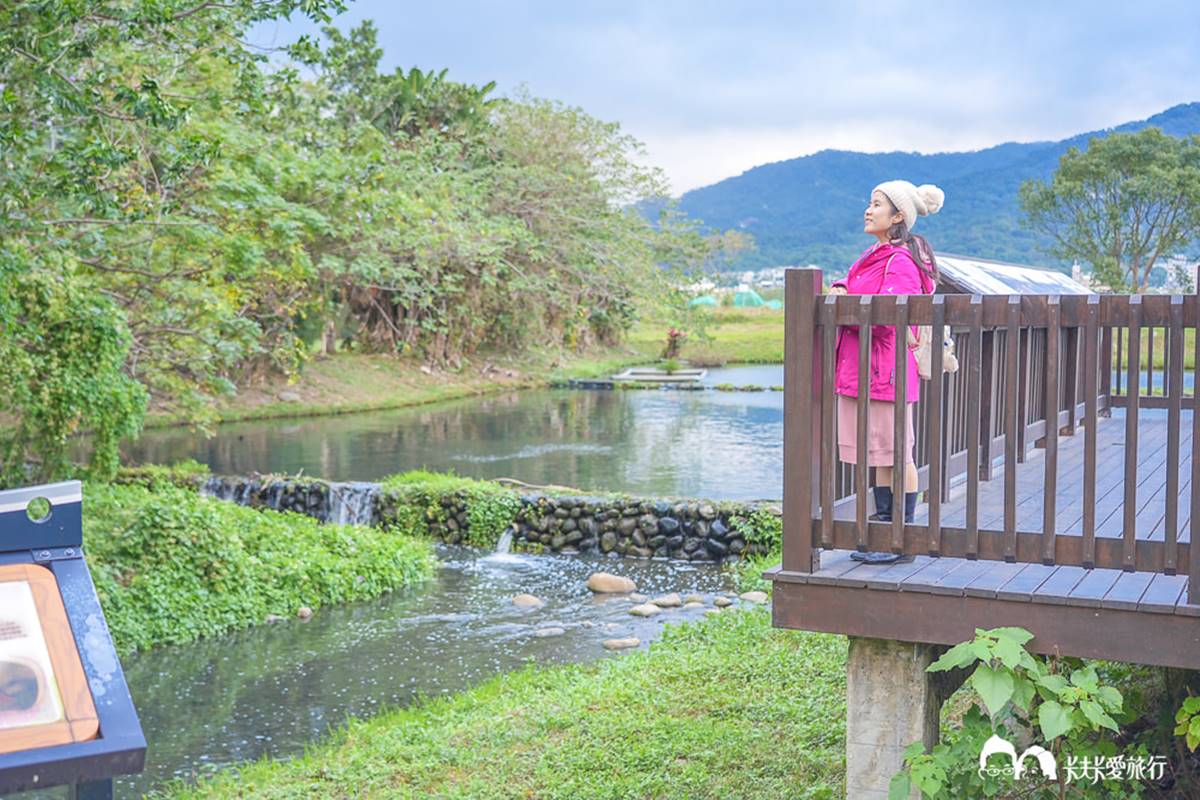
883 503
883 513
910 506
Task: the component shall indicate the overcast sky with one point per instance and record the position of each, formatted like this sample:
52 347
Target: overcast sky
713 89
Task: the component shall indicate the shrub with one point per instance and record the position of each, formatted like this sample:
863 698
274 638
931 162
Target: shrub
171 566
418 498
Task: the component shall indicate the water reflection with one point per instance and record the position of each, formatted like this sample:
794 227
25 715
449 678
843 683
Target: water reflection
723 445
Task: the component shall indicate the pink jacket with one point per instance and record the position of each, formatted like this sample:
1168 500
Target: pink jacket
882 269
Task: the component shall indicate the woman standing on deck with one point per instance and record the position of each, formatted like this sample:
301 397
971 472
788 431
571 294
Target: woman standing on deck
898 263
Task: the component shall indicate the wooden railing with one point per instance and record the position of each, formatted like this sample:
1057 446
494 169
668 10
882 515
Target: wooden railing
1019 355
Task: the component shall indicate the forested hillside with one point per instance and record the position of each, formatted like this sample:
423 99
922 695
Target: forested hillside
810 209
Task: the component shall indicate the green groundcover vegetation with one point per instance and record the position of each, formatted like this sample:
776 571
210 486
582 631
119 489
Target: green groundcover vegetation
171 566
725 708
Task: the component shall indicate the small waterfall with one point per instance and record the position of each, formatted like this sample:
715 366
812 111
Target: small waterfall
352 503
505 543
216 487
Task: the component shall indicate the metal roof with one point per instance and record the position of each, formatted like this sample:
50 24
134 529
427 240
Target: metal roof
971 275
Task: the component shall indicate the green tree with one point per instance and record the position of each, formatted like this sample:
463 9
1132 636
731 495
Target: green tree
63 347
1126 201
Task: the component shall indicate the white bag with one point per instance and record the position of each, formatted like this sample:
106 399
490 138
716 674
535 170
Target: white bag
922 350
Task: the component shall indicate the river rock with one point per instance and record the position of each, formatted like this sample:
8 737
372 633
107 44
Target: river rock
645 610
667 600
303 612
715 548
543 633
605 583
527 601
638 598
667 526
608 541
693 598
721 601
693 604
621 644
754 597
626 526
706 511
718 529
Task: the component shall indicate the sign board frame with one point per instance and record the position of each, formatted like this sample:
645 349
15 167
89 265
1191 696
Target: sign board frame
50 550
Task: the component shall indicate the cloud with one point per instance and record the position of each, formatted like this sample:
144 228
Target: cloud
714 88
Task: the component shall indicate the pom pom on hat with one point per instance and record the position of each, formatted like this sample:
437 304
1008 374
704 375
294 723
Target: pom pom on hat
913 201
932 197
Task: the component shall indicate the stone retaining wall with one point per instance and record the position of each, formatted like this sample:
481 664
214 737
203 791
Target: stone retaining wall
620 526
636 527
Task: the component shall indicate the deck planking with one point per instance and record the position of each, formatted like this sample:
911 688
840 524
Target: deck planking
1037 583
1110 484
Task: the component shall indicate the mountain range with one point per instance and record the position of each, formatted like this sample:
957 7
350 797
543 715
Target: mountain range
809 209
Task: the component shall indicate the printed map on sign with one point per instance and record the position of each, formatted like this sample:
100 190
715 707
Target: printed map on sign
28 689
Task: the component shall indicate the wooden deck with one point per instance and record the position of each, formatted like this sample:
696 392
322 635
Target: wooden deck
1110 485
1097 613
1084 539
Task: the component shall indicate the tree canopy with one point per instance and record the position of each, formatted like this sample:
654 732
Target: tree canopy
196 215
1121 205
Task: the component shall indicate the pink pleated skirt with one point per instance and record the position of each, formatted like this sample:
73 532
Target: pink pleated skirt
880 428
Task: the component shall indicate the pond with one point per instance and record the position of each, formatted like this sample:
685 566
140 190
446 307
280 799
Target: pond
718 445
273 689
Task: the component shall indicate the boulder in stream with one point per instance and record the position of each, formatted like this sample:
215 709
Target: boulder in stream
605 583
667 600
645 610
527 601
621 644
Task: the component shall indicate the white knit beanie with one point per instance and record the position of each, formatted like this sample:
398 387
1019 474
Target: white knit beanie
912 201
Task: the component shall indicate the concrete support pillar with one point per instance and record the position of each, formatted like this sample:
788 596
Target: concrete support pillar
891 702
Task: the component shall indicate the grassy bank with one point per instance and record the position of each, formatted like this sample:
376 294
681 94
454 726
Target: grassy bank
349 382
171 566
729 707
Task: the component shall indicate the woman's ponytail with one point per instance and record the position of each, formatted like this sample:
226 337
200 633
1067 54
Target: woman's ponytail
918 247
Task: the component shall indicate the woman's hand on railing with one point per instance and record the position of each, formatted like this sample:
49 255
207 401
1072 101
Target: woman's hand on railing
837 290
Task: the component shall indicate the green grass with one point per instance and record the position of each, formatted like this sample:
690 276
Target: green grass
725 708
171 566
347 382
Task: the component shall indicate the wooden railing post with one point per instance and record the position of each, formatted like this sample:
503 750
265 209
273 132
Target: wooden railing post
802 413
987 407
1106 371
1194 530
1071 390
